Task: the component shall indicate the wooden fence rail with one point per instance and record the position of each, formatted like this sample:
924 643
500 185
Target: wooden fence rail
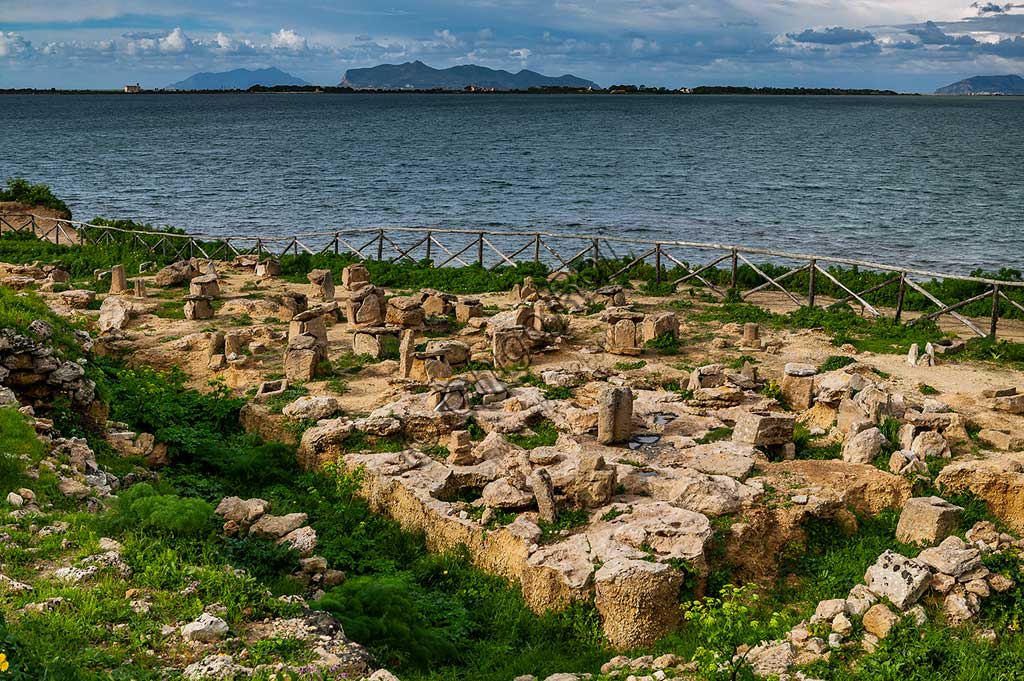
563 252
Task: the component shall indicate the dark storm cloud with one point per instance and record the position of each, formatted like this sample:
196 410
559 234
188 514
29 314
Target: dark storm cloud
836 35
931 34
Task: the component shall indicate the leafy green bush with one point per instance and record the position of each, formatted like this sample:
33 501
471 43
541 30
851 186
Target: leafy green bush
726 623
194 425
396 619
21 190
261 558
142 507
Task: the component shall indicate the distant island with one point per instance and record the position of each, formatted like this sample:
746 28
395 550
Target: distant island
985 85
418 76
238 79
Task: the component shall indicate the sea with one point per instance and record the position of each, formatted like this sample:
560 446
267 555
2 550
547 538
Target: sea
928 182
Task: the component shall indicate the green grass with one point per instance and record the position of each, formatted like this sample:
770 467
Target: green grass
835 362
630 366
715 435
544 435
18 445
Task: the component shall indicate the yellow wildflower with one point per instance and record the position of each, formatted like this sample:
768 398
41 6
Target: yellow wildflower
4 664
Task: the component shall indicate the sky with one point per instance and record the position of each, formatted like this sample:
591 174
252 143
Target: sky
905 45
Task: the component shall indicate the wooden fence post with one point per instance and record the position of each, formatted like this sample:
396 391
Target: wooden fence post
810 284
536 248
900 295
380 246
597 253
430 239
995 312
480 250
657 262
735 270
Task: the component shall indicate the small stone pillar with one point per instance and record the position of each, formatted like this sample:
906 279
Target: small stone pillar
659 324
610 296
234 344
118 282
268 268
321 285
292 303
751 336
525 292
198 307
204 285
380 342
406 312
623 336
355 277
365 307
798 385
406 350
140 288
544 493
430 366
615 416
309 322
303 357
466 309
510 347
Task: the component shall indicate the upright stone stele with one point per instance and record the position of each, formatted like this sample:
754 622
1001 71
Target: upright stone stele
321 285
118 282
140 288
544 493
615 416
406 352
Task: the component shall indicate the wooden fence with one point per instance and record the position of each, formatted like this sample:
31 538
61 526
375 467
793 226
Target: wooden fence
562 252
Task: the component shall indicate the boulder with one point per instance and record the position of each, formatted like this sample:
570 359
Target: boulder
879 620
312 408
898 578
763 429
951 557
927 520
114 314
176 274
277 526
206 628
863 447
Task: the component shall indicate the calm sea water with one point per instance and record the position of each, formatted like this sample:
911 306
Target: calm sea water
935 182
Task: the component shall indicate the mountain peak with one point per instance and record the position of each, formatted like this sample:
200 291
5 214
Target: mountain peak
419 76
985 85
237 79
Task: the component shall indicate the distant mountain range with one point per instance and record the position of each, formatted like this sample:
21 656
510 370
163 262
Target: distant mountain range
985 85
239 79
418 76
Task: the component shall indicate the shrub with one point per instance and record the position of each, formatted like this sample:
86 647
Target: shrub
723 625
390 616
261 558
21 191
142 507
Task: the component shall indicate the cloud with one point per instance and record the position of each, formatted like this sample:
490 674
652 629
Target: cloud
991 8
931 34
13 45
287 39
832 36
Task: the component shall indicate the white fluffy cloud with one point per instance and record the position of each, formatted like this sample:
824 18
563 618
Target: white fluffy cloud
13 45
287 39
